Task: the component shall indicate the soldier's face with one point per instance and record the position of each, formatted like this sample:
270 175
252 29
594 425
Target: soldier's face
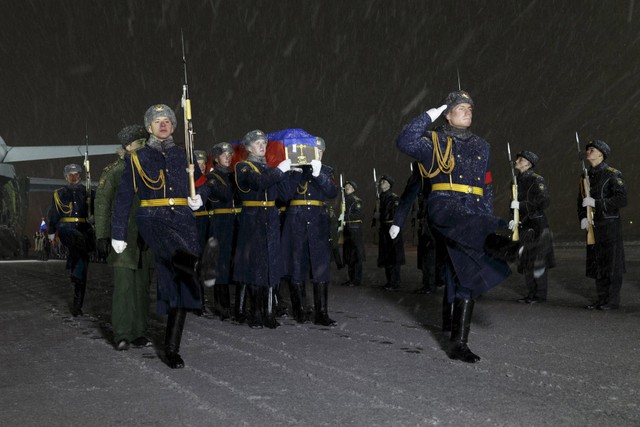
522 164
73 178
161 128
259 148
384 185
224 159
460 116
348 189
202 165
593 155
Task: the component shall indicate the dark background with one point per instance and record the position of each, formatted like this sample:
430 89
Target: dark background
353 72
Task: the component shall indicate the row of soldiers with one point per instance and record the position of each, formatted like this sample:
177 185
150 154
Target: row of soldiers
240 234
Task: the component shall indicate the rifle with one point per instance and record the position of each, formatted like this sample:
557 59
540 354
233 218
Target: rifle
87 168
375 209
343 208
586 185
188 125
514 193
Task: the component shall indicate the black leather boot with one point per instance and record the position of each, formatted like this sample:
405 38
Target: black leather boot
269 301
460 327
173 336
208 269
223 301
240 303
256 306
320 297
502 247
297 302
79 287
186 266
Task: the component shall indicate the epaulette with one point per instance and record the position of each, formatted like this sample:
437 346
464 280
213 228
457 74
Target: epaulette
613 170
111 166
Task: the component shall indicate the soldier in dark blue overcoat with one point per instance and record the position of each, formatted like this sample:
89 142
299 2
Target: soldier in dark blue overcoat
257 262
605 258
305 237
353 252
460 207
222 208
68 217
533 198
390 250
158 174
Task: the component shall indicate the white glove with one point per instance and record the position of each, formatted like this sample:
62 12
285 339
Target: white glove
315 165
512 225
52 236
434 113
118 245
195 203
285 165
584 223
515 204
588 201
393 231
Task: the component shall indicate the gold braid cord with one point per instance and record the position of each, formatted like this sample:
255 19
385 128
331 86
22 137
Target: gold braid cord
302 188
445 162
254 167
148 182
65 209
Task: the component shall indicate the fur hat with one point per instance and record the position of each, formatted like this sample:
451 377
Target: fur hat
455 98
529 155
72 168
389 179
601 146
220 148
351 183
159 110
200 155
253 136
320 143
132 133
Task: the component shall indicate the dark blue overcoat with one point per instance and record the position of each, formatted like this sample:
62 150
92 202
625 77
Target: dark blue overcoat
464 219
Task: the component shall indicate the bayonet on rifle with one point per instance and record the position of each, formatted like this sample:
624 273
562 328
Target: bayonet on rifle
188 125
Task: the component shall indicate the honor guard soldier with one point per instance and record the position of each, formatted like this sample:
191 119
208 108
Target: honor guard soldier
219 196
460 209
258 263
533 199
305 237
605 258
353 253
157 172
390 249
131 268
68 216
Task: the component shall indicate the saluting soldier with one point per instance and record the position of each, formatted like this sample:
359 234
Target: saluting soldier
353 252
68 216
219 196
390 249
605 258
258 263
306 237
460 207
533 199
131 268
158 174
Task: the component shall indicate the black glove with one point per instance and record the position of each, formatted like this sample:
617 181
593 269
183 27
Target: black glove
104 247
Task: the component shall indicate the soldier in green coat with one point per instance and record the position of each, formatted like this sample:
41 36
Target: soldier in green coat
131 268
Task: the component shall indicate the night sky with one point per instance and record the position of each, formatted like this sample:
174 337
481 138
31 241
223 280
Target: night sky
353 72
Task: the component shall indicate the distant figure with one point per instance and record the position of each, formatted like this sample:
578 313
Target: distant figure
353 252
605 258
68 217
26 244
390 248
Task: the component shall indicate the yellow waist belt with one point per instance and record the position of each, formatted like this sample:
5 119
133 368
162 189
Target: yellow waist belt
460 188
256 204
163 202
72 219
306 203
218 211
